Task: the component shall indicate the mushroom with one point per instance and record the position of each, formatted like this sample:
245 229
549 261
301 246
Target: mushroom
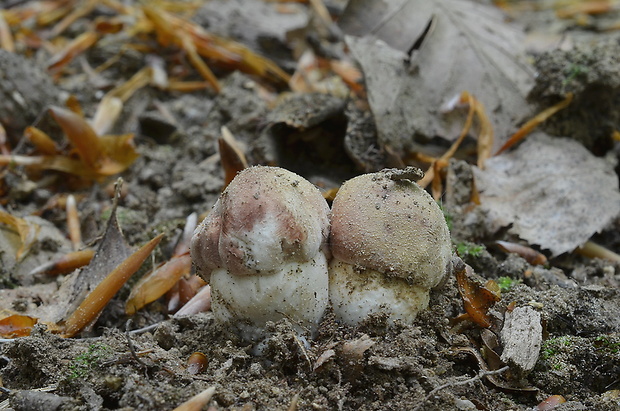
390 246
263 248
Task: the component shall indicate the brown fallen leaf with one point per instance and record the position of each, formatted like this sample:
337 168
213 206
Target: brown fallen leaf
485 143
231 156
550 403
70 13
126 89
580 8
158 282
197 402
16 325
77 46
65 264
43 143
73 222
592 250
27 232
107 113
81 135
189 287
529 254
182 246
477 299
98 157
94 303
111 251
170 29
6 37
528 127
199 303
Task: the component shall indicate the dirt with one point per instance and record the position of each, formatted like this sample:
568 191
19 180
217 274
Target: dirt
432 364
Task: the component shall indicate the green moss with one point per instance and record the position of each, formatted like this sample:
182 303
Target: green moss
572 72
554 346
506 283
558 366
83 363
606 342
469 249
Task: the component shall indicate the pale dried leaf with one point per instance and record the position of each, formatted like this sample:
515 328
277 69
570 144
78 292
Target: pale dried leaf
323 358
355 349
468 47
111 251
199 303
522 336
553 192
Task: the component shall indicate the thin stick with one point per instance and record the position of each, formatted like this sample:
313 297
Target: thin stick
592 250
480 375
73 223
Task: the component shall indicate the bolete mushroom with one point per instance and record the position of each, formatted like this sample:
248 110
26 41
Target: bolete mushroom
390 246
263 248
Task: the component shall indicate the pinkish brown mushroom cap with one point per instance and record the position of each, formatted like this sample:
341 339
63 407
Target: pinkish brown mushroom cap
390 224
267 216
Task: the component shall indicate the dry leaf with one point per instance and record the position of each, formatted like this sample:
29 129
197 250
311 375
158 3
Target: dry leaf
111 251
27 231
197 402
417 54
485 142
81 135
323 358
232 156
74 48
157 283
199 303
6 37
41 140
65 264
108 111
101 156
529 254
592 250
189 287
551 191
16 325
477 299
527 128
96 301
172 29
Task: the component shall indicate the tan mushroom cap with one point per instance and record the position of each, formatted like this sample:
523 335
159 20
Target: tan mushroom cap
267 216
390 225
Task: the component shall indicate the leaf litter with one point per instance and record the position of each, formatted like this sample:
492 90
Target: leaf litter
417 55
166 77
549 191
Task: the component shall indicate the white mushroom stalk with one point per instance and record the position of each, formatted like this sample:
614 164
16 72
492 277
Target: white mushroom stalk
390 246
263 249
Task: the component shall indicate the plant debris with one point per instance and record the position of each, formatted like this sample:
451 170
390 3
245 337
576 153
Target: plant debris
448 46
570 194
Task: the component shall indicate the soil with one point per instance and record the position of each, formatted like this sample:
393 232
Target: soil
432 364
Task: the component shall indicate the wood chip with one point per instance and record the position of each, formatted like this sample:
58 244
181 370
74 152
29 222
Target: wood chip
522 339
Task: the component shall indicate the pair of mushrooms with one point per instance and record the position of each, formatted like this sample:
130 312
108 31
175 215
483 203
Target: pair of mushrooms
269 251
